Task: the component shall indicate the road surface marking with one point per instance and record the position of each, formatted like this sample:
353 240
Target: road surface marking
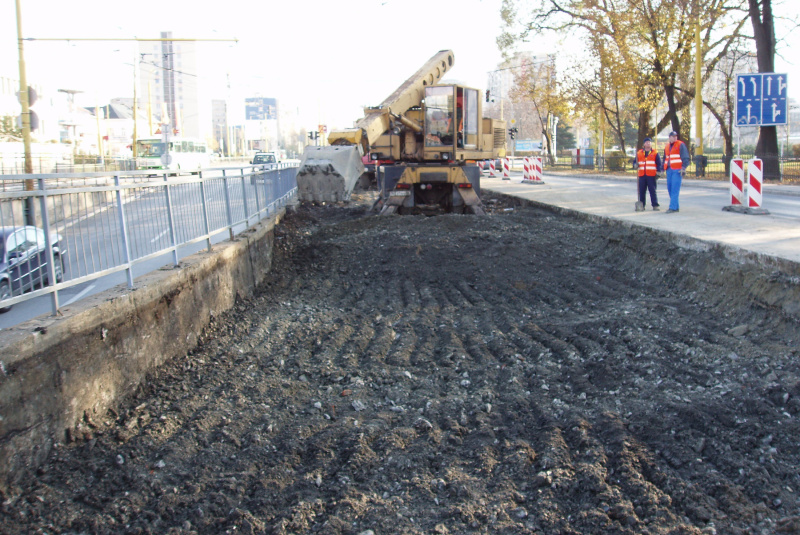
80 295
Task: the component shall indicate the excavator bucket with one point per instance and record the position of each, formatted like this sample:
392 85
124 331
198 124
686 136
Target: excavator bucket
329 174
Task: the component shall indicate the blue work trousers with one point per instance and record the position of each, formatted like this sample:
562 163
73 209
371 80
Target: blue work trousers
647 183
674 179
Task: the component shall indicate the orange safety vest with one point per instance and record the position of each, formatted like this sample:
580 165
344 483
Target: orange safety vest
647 163
672 155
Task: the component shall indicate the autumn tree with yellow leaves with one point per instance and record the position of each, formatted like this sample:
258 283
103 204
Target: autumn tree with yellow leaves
642 50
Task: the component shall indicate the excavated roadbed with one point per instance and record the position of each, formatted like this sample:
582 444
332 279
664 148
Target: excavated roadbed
524 372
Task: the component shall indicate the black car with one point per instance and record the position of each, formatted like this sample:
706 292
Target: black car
24 258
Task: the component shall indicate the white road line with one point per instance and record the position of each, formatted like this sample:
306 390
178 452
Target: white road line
80 295
159 236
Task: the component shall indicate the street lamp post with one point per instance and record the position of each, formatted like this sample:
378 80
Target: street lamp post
698 102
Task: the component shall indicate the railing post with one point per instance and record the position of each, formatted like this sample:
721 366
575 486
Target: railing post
254 179
171 220
51 271
204 201
244 200
123 226
269 180
228 211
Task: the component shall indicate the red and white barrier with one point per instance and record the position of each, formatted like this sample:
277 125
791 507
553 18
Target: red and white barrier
756 172
506 169
491 169
526 168
481 164
537 169
737 182
748 202
534 171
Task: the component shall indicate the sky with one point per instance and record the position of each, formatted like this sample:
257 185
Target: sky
325 60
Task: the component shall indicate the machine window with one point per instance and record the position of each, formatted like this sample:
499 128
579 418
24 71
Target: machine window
439 123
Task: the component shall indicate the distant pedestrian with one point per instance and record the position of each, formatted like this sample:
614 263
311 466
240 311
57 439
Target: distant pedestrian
648 162
676 160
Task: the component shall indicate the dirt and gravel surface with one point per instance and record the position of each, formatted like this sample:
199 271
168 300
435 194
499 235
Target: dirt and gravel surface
523 372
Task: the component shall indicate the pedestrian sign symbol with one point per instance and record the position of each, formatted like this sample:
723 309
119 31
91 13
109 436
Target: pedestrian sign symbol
761 99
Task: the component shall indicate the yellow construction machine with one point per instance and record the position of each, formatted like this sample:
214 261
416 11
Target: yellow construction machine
424 142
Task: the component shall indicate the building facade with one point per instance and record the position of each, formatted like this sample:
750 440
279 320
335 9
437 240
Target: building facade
170 86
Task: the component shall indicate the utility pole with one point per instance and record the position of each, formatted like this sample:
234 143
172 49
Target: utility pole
134 150
698 94
23 82
30 218
99 134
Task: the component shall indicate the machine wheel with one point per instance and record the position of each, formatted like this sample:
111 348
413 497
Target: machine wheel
5 293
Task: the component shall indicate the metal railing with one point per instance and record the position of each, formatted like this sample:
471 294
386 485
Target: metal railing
97 224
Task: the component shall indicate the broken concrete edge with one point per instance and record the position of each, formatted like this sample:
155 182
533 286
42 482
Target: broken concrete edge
782 293
61 375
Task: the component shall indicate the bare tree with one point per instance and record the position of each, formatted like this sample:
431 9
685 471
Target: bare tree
539 84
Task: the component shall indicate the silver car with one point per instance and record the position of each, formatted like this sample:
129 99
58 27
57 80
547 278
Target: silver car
24 260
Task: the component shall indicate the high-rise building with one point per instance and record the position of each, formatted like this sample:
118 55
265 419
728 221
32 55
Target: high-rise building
169 78
219 121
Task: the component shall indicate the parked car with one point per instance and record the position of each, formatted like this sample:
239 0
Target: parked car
24 258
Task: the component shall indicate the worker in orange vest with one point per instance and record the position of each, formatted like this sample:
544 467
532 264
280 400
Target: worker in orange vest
648 162
676 160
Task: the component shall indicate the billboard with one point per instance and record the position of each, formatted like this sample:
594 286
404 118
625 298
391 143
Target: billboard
260 109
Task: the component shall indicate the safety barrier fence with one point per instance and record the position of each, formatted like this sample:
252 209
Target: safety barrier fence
62 230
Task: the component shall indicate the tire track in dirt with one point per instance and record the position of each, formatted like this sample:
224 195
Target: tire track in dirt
519 373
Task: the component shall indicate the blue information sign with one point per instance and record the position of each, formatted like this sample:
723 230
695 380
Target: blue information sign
527 145
761 99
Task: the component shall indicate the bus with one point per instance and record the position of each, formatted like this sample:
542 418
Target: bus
178 153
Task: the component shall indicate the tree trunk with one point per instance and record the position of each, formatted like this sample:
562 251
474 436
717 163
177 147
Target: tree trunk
764 33
669 91
645 130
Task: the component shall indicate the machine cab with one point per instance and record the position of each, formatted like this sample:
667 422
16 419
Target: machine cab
452 121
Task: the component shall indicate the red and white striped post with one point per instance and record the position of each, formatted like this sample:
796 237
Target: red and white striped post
526 168
491 169
506 169
756 172
737 182
534 171
481 164
537 170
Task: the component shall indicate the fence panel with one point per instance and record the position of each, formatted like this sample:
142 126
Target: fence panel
101 223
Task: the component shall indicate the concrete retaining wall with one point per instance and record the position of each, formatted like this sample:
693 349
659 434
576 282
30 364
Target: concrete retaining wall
57 374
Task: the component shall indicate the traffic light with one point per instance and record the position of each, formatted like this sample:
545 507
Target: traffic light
487 95
512 132
313 135
32 98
